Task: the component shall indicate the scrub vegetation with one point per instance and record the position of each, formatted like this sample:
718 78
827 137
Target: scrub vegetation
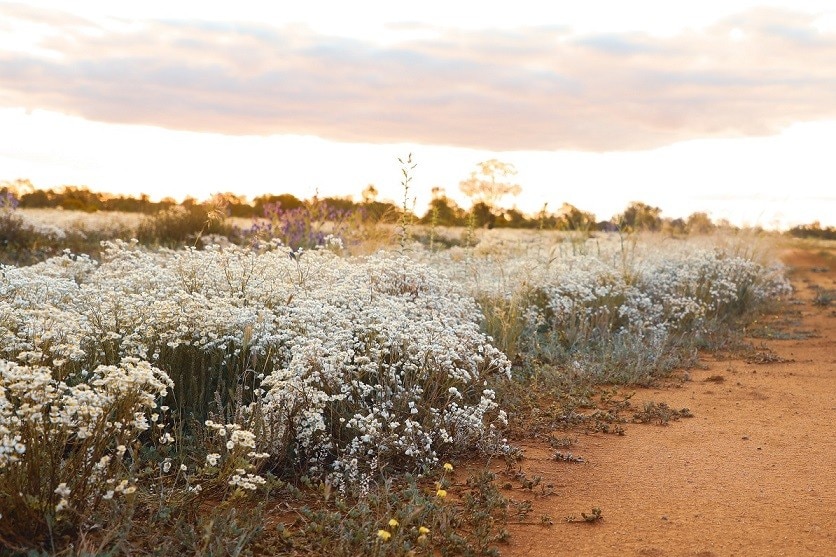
302 386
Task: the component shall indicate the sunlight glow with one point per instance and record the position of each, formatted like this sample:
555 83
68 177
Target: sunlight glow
781 177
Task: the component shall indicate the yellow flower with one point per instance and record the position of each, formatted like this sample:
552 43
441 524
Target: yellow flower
441 493
448 466
393 523
384 535
423 530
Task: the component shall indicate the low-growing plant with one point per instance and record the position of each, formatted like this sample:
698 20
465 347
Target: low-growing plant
405 516
660 413
82 451
69 444
824 297
619 316
594 516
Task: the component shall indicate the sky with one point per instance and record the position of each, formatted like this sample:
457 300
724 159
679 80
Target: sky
727 107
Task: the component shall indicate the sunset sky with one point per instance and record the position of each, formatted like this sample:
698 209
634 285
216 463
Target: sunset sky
727 107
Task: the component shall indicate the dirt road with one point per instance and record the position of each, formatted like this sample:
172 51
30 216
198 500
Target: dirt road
752 473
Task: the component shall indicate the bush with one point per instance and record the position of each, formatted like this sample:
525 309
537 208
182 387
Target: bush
182 224
365 363
67 442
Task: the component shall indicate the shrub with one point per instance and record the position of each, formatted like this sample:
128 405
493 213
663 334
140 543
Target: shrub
182 224
67 442
365 363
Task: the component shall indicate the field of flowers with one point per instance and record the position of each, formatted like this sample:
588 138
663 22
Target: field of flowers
153 379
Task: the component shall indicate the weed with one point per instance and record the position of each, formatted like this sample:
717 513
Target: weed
567 457
407 167
824 297
660 413
409 516
596 515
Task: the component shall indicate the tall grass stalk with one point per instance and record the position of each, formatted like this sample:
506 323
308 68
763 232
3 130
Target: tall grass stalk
407 168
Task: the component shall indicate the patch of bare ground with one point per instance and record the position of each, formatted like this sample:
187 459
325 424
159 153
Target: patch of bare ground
752 473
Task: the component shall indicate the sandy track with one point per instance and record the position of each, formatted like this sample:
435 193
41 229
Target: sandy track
753 473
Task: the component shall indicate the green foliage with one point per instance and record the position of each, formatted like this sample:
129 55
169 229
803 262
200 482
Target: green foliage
401 517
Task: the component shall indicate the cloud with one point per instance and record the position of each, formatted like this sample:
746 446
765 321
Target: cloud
538 88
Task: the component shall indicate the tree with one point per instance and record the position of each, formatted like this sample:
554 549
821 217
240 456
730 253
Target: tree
570 217
639 216
234 205
482 215
513 218
443 211
286 201
491 182
369 194
699 223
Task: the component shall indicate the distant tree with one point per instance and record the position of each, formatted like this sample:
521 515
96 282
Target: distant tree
234 205
369 194
699 223
17 187
39 198
490 183
341 204
75 198
443 210
287 202
377 211
813 230
483 215
639 216
606 226
675 226
570 217
165 202
514 218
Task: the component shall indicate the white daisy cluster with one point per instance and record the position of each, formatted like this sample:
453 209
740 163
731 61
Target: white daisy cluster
73 435
369 359
389 365
673 292
338 365
571 296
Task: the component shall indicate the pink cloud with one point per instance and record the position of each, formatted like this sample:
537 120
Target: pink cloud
528 89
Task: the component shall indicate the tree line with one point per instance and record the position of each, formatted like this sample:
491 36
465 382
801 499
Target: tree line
486 186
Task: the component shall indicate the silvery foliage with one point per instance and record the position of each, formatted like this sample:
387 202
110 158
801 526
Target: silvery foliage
598 291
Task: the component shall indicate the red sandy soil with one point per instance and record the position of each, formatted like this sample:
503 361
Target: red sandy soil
752 473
